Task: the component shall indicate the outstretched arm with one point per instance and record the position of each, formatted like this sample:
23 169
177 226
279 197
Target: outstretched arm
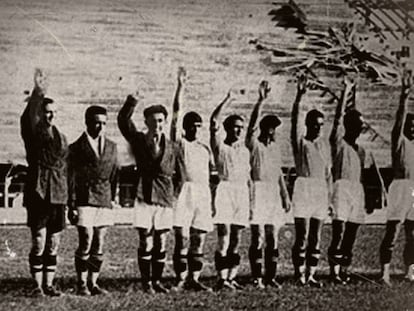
295 128
215 119
31 115
264 90
337 128
125 123
176 104
398 129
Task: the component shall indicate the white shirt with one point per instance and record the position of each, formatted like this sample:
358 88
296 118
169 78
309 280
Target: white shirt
95 144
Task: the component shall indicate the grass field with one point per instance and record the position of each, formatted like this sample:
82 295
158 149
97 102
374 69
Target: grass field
121 277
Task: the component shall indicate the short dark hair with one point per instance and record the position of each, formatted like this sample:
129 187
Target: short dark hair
269 121
229 121
191 118
155 109
312 116
351 116
94 110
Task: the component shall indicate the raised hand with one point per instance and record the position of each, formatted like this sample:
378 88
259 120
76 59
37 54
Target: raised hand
136 94
40 80
264 90
232 94
181 75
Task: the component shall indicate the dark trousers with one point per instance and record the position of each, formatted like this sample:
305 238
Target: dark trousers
392 230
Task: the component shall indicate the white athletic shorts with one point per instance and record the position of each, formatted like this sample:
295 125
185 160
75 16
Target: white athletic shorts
193 208
266 204
401 200
310 198
152 216
349 201
232 203
91 216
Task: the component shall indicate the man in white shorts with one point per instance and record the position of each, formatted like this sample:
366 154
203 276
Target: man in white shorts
311 190
159 169
401 192
92 167
349 158
193 210
269 196
231 202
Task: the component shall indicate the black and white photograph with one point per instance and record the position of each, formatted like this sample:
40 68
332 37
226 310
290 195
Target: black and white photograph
207 155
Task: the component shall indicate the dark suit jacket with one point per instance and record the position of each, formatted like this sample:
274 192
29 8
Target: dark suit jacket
92 180
158 177
46 157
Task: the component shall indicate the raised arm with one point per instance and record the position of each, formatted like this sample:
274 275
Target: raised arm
215 121
338 127
176 104
32 113
125 123
295 127
398 129
264 90
114 177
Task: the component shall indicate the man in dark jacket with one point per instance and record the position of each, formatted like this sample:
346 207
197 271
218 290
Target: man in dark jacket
45 193
159 163
92 179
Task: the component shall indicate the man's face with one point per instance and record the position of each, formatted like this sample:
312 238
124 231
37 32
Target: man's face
49 113
96 125
409 128
315 128
235 130
156 123
270 133
191 131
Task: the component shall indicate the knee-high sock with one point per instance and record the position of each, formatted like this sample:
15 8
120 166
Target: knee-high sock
49 263
408 252
158 262
180 265
81 267
195 264
255 258
144 263
348 242
334 253
221 264
36 264
388 242
271 257
299 248
233 262
95 262
49 269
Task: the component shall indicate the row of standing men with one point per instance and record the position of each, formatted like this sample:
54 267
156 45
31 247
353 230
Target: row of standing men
251 190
